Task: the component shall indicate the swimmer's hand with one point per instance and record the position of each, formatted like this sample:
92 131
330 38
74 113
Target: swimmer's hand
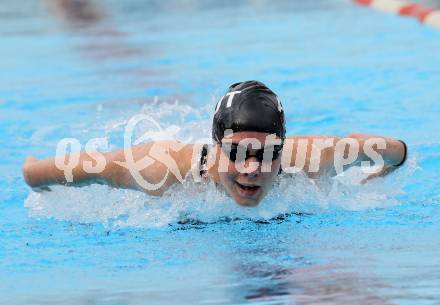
28 166
40 174
385 171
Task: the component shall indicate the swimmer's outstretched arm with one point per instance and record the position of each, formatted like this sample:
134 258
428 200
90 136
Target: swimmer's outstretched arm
329 155
393 153
40 174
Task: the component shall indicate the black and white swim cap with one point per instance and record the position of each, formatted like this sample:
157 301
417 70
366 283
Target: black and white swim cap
248 106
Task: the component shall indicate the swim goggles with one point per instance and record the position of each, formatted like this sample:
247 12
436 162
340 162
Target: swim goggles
237 152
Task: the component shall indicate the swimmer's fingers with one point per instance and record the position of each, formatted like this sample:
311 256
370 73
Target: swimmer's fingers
28 176
42 189
28 164
385 171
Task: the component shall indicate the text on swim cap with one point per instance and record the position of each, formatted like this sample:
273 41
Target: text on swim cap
230 96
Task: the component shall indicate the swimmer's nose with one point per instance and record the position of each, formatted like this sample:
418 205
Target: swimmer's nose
255 171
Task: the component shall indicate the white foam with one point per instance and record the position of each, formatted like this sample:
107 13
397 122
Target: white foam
207 203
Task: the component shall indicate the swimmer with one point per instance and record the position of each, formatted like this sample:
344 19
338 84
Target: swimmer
250 151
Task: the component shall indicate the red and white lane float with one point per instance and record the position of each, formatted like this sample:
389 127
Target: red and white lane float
426 15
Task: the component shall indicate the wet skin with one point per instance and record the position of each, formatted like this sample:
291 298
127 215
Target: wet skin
247 187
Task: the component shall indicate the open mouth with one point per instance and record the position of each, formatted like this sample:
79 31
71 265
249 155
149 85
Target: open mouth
246 190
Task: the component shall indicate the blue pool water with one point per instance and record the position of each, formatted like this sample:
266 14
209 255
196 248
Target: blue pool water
337 67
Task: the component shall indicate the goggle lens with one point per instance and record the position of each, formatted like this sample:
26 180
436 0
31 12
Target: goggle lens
237 152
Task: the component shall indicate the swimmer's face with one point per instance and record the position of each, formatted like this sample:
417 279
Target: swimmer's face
247 180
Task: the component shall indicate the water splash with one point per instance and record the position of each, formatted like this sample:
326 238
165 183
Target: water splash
205 202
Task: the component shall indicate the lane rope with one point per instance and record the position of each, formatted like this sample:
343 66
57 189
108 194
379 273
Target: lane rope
426 15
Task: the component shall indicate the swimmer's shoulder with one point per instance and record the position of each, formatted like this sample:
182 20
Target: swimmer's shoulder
306 143
301 148
187 156
182 153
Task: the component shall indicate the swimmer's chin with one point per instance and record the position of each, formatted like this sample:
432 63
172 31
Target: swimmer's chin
247 203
